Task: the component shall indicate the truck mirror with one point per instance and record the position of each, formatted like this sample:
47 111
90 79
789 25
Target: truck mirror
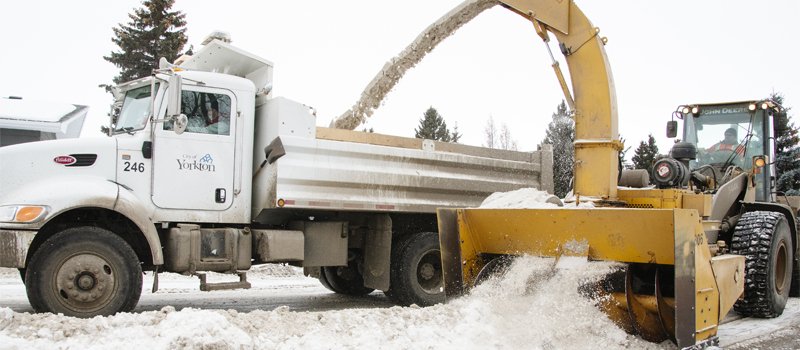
672 129
174 95
180 123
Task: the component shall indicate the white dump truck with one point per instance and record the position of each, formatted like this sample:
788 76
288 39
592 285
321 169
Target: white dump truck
204 170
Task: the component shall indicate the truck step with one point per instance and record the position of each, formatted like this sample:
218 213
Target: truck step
207 287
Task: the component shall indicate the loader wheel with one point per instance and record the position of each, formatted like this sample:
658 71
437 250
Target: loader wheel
84 272
763 238
417 275
344 279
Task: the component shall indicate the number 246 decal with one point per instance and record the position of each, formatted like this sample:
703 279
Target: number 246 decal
135 167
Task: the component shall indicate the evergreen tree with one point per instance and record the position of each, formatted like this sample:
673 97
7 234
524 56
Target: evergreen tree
455 135
561 134
153 32
433 127
645 155
787 151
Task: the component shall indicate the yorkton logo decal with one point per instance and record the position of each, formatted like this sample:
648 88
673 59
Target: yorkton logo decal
194 163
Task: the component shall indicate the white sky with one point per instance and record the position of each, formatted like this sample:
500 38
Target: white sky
662 54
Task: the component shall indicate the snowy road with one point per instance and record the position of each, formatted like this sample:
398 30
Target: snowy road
285 310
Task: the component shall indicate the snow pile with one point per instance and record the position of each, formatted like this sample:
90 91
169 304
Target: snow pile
391 73
275 270
527 198
535 306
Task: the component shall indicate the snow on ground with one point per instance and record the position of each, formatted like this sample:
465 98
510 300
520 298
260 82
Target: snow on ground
524 310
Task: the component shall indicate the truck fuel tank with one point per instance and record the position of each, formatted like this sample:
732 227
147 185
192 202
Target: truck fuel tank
190 248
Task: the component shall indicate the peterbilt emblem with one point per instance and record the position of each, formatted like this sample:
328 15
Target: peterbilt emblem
65 160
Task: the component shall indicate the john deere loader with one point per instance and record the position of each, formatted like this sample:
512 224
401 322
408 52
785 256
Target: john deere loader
706 237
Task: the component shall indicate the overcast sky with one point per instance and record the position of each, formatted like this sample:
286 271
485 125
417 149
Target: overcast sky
662 54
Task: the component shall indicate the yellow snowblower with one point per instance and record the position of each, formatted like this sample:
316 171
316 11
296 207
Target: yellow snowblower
708 237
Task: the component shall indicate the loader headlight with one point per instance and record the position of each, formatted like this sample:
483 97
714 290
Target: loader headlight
752 107
22 213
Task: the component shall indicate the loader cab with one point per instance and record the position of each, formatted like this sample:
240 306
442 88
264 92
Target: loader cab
730 136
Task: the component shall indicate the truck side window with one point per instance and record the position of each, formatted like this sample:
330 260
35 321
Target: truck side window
208 113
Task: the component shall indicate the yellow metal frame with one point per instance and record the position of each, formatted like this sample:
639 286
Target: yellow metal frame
648 236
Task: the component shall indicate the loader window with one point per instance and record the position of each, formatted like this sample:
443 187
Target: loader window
720 138
208 113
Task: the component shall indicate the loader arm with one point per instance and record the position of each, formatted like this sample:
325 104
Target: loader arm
673 287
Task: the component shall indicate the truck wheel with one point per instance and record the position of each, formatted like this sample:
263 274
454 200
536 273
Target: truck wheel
84 272
763 238
344 279
418 273
398 244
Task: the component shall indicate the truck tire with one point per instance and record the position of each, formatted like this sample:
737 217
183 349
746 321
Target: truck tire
84 272
763 238
398 244
417 275
344 279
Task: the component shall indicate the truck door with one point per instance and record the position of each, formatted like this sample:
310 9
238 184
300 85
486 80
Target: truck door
195 170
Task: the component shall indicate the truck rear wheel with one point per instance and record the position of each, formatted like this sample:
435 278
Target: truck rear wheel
417 272
84 272
344 279
398 244
764 239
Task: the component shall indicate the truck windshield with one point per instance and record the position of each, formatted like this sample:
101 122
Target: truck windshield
135 109
725 136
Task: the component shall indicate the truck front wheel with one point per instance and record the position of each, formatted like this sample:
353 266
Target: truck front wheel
84 272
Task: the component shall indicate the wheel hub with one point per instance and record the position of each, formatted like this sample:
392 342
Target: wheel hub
429 272
781 267
426 271
84 282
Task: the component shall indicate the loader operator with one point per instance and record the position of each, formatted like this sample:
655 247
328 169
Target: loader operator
730 144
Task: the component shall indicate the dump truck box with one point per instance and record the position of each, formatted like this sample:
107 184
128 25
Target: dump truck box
307 167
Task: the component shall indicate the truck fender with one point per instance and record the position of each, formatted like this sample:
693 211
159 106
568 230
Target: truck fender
130 206
66 193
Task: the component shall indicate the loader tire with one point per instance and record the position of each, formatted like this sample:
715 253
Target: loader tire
344 279
763 238
417 275
84 272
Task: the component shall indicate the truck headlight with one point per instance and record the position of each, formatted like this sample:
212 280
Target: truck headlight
22 213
